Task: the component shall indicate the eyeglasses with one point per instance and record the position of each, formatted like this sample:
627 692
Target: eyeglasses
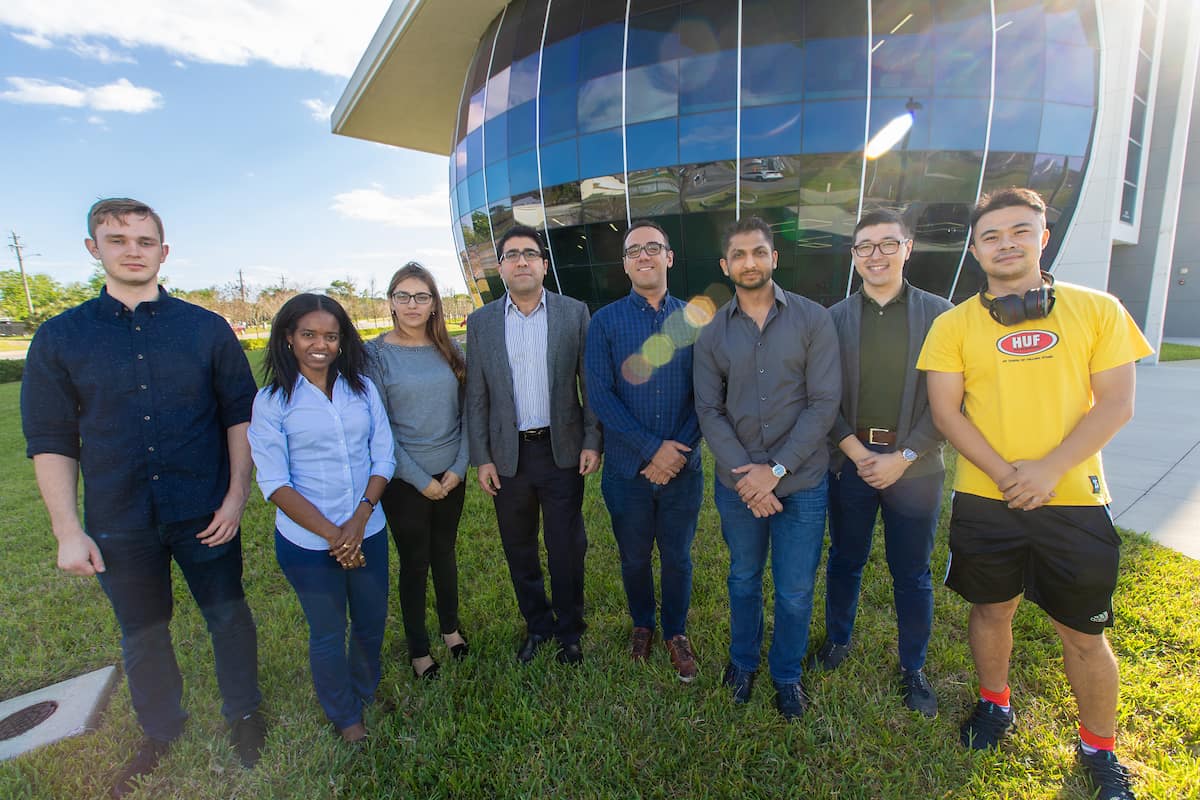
650 249
422 298
889 247
530 255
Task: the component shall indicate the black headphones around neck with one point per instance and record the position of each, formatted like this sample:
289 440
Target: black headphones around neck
1013 309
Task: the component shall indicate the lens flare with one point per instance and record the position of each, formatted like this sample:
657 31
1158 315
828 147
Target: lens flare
658 350
700 310
636 369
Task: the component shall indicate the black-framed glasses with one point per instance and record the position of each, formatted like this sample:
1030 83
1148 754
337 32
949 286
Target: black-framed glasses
650 249
889 247
422 298
529 254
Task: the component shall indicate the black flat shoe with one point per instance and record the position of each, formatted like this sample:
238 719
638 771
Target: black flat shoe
570 654
459 651
533 642
430 673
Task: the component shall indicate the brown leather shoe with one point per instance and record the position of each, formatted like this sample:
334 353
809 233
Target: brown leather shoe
639 643
682 658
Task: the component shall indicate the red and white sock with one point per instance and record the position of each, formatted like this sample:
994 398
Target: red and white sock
1000 699
1090 743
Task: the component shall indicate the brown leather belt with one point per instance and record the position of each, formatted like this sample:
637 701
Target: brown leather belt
876 436
534 434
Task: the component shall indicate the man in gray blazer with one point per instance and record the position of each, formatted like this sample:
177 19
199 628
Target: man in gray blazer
533 439
886 453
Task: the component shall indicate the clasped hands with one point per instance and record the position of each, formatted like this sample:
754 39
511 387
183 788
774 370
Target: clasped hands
670 458
1030 484
756 487
346 545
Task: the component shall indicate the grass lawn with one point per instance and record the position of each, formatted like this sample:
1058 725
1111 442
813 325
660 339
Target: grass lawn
491 728
1178 352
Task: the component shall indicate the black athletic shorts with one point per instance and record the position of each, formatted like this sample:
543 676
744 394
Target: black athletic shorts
1064 558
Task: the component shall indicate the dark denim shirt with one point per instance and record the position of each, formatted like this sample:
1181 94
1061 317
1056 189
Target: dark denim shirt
641 405
142 399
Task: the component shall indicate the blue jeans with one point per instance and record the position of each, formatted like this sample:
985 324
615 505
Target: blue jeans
137 580
344 681
795 536
910 514
644 513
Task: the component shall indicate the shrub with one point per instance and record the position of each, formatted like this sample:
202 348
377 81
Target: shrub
11 371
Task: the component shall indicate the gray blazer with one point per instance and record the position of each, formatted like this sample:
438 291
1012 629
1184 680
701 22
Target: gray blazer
493 432
916 420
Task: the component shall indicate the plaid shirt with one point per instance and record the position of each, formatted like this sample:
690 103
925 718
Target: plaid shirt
641 405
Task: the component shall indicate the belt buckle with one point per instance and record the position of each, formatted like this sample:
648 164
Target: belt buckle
871 435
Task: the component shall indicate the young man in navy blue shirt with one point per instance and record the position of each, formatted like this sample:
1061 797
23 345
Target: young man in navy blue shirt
638 363
150 398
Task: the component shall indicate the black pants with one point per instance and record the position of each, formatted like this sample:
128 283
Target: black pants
542 485
425 532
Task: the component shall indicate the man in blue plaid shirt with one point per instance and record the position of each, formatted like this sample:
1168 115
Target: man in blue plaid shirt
638 363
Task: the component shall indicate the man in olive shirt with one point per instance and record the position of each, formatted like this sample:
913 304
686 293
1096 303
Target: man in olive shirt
767 383
887 455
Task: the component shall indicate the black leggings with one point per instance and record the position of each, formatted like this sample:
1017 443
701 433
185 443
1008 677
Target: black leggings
425 532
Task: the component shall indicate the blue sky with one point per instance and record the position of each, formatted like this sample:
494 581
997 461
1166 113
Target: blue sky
217 115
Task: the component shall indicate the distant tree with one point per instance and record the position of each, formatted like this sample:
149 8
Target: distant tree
49 296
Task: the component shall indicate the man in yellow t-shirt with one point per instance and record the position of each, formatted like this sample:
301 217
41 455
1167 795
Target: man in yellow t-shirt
1028 382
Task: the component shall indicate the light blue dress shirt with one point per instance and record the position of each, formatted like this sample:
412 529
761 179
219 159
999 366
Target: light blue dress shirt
325 450
525 338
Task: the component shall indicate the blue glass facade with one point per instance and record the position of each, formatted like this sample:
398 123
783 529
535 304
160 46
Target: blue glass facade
579 115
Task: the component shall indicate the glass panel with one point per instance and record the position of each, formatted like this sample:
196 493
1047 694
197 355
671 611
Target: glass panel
560 163
959 123
558 115
495 139
708 137
835 67
507 39
1064 25
819 274
497 181
462 196
708 26
474 149
1133 163
527 210
1074 71
652 92
702 234
653 192
1128 203
497 94
529 34
1137 120
606 241
1006 169
501 215
708 82
708 187
603 198
653 37
563 21
963 52
652 144
769 182
475 194
1020 49
1015 125
772 73
563 206
522 81
577 281
1066 129
768 21
600 153
560 64
770 130
1149 31
483 60
475 111
522 172
600 103
570 249
600 49
522 122
1141 86
831 127
886 109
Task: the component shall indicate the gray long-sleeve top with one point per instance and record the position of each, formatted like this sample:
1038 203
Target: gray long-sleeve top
769 395
424 406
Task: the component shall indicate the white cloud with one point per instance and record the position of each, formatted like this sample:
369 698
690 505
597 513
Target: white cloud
319 108
430 210
96 119
98 52
294 34
120 95
178 64
34 40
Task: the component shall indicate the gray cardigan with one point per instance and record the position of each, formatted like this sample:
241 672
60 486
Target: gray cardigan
916 420
490 405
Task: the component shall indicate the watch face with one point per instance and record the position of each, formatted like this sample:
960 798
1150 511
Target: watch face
909 455
779 470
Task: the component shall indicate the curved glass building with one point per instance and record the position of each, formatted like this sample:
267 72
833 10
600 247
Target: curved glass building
579 115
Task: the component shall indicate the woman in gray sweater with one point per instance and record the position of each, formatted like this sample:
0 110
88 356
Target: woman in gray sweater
420 371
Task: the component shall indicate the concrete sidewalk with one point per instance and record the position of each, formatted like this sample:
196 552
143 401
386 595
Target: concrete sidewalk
1153 464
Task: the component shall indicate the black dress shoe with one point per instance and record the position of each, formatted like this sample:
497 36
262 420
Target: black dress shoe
533 642
570 653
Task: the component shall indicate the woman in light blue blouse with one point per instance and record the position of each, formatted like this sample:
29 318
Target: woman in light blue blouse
420 372
324 452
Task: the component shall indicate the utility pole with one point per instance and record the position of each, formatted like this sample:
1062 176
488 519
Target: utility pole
17 247
242 286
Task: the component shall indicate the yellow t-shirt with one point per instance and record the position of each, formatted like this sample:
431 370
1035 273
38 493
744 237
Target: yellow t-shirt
1026 387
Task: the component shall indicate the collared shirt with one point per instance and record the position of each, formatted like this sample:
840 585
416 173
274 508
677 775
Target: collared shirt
770 394
639 380
327 450
882 361
525 338
143 400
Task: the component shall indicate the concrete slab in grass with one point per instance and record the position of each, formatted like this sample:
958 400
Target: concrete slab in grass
65 709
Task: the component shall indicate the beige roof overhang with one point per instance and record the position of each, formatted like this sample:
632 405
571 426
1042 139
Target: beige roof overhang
407 86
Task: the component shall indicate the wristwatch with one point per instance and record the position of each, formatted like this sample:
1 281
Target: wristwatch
367 500
778 470
909 455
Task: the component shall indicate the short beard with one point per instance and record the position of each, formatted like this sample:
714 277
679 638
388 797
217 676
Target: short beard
751 286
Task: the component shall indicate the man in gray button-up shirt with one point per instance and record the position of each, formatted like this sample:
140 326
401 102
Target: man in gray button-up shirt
768 383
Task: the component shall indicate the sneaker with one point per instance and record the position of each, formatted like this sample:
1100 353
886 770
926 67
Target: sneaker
1104 772
740 681
918 693
639 643
143 762
986 726
791 700
682 658
829 656
248 735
